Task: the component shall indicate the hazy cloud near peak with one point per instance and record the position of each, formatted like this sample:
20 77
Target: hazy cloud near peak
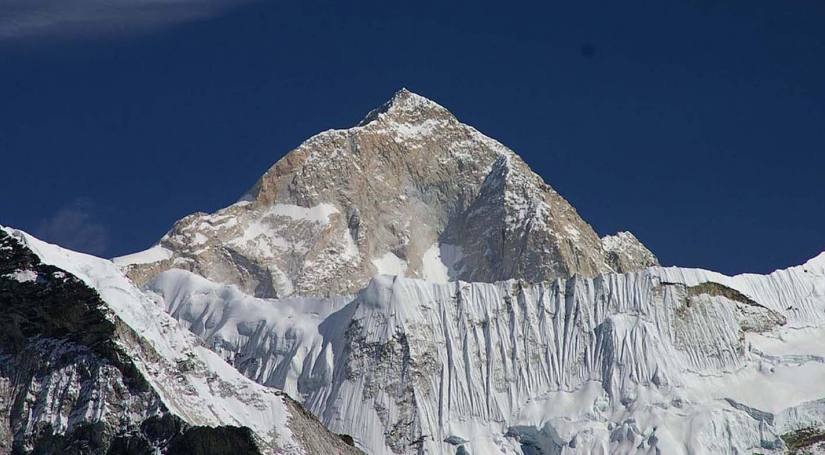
21 19
75 227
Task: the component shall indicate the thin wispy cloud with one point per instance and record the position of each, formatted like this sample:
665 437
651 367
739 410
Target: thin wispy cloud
25 19
75 226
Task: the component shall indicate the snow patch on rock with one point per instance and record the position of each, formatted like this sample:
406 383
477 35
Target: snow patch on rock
318 214
22 276
439 261
389 264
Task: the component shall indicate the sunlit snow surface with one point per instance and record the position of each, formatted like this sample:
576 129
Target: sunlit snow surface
389 264
153 254
619 363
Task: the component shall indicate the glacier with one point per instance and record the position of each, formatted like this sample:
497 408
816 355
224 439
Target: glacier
663 360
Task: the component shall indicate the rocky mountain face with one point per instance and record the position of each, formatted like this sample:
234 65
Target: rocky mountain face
89 365
410 285
409 191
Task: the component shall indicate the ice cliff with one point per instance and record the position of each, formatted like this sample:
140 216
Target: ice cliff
666 359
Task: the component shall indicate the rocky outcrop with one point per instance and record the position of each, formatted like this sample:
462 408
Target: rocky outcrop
409 191
625 253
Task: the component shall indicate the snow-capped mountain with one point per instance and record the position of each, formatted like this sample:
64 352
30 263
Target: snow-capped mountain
409 191
414 285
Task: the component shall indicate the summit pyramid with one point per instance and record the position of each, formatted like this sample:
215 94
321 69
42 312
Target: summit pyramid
408 191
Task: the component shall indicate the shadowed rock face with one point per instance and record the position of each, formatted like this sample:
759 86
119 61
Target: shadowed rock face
40 301
625 253
411 191
59 358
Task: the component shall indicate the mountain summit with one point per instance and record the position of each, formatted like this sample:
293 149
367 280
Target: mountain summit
407 102
409 191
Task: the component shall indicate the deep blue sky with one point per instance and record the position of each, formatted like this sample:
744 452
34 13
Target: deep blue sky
699 126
